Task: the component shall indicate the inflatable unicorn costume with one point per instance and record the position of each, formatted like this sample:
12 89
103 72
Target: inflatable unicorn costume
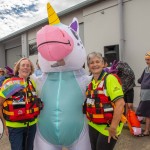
62 86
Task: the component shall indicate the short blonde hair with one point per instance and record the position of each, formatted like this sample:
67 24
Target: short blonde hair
147 55
17 65
92 55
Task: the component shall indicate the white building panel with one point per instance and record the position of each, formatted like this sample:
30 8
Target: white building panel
101 27
13 55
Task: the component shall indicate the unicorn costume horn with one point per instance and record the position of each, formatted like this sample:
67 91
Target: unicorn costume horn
52 16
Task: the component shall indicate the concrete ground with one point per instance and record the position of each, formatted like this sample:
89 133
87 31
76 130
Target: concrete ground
126 142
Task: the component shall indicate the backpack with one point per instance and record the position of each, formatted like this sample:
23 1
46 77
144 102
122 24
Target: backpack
126 75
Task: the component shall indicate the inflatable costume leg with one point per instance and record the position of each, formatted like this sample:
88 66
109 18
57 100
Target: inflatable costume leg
83 142
40 143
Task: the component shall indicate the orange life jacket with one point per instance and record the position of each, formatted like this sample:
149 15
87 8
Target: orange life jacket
23 106
97 106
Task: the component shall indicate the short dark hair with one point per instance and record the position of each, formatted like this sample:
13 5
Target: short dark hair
105 60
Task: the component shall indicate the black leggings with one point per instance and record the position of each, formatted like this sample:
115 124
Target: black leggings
100 141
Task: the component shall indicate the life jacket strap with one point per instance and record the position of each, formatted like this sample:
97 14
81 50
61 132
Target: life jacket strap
30 111
8 112
95 115
91 92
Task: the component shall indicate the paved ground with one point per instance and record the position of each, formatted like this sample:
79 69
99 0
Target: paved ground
125 142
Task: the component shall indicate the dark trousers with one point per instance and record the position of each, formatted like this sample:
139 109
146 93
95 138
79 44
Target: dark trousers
100 141
22 138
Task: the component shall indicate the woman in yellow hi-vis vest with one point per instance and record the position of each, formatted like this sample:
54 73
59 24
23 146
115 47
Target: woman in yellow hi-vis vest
103 106
19 106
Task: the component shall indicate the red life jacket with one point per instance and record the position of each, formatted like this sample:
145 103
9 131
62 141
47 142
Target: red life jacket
98 107
23 106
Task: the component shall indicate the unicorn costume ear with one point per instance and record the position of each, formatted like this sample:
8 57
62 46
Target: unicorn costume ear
75 25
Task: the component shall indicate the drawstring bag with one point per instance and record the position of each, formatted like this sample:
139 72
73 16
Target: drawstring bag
133 123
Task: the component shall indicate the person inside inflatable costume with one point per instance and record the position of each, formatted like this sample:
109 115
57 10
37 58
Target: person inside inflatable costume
62 86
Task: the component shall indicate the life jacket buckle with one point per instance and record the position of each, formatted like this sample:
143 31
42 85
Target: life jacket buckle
31 110
91 116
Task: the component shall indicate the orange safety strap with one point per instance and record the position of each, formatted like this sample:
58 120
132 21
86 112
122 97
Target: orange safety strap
93 106
8 112
6 103
29 111
92 92
96 115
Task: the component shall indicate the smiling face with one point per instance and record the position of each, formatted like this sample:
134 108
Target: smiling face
95 63
147 60
24 68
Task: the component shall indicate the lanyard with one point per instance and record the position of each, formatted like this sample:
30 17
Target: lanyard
94 83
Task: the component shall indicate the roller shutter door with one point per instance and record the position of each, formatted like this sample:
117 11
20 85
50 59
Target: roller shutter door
13 55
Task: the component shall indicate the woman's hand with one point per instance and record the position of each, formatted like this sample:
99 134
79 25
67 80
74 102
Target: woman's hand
112 134
1 115
6 130
119 105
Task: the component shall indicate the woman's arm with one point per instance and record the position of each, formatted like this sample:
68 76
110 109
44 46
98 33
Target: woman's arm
141 78
115 93
1 106
1 114
119 106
